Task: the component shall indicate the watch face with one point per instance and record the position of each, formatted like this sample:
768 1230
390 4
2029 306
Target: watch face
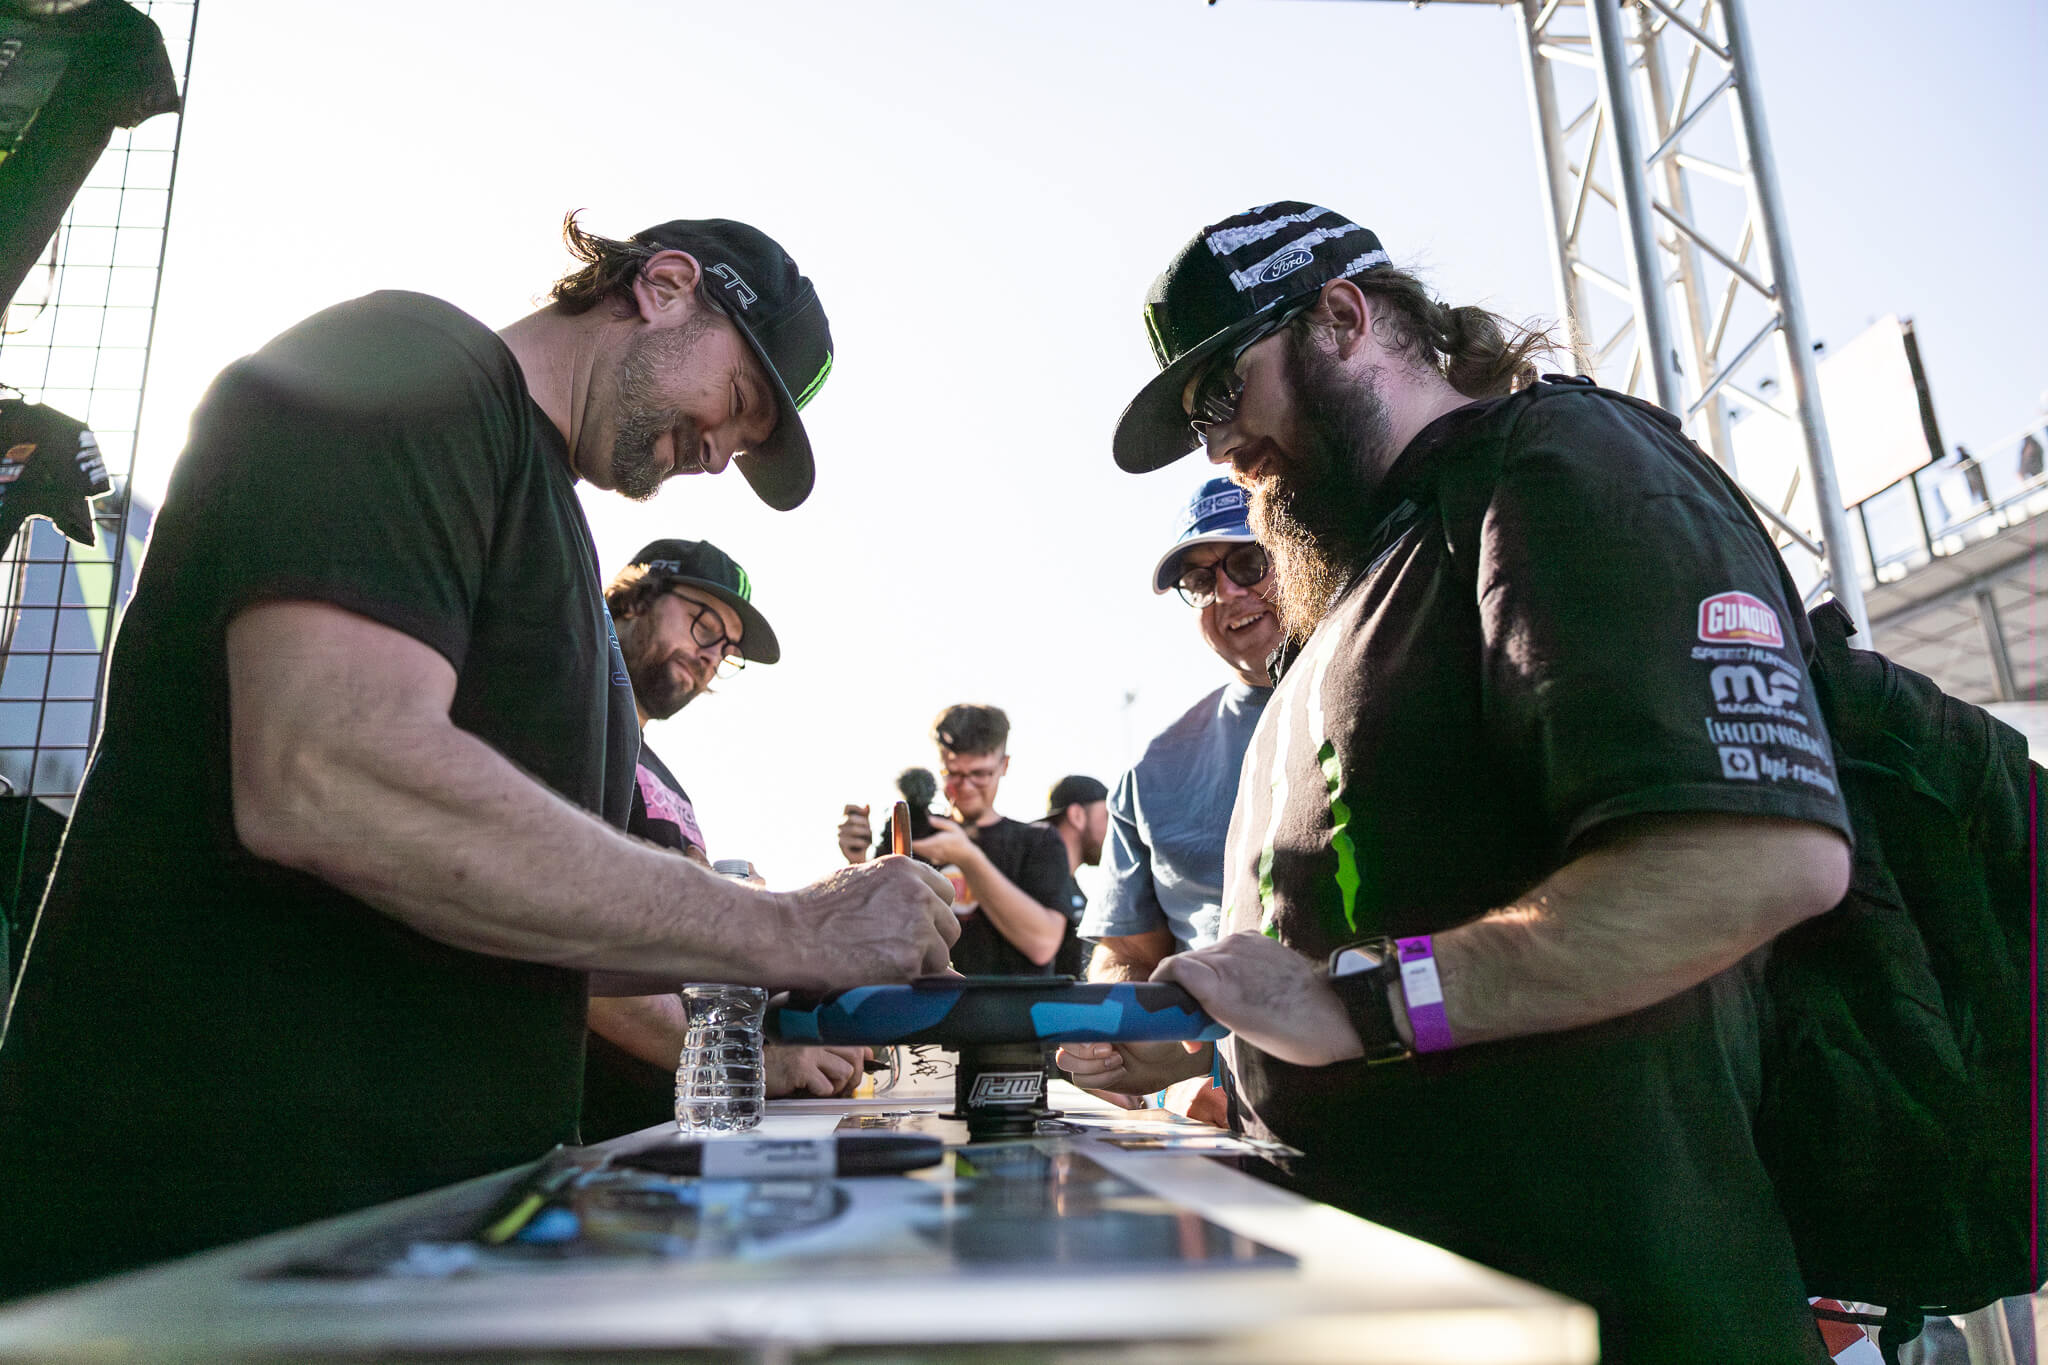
1354 959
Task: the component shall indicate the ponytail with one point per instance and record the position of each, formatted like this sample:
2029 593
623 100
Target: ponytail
1479 353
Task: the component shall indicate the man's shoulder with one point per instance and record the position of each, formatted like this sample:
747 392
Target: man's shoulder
393 351
1020 836
1558 403
1168 750
1026 831
1593 428
1591 446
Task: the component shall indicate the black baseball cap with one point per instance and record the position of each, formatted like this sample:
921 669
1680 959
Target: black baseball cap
755 283
1230 277
703 565
1074 790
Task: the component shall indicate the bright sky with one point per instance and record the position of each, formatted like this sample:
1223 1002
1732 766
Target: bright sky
982 192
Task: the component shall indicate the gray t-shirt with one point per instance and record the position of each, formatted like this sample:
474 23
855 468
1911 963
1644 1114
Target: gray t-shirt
1168 819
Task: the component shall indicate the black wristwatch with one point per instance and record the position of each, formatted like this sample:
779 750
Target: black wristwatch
1360 975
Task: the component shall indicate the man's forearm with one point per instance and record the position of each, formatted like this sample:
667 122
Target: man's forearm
1130 957
1648 914
1032 929
344 764
1656 909
434 827
649 1027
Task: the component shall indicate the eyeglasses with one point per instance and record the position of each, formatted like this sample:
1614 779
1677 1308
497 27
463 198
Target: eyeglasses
1246 565
1216 393
709 632
984 778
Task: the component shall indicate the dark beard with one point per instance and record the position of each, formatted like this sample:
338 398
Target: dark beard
659 696
1307 515
650 358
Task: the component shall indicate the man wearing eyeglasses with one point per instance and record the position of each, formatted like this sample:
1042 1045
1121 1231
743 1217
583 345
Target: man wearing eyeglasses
1506 775
350 859
685 614
1170 813
1009 877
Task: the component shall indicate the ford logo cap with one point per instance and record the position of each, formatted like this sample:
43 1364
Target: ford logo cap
1218 514
1222 284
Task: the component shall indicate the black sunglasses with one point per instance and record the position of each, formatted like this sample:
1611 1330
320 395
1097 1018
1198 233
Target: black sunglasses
1216 393
1246 565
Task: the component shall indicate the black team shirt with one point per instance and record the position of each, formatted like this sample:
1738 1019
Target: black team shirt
206 1046
1568 619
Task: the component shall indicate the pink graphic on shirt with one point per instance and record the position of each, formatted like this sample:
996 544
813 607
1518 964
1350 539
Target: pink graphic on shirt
666 804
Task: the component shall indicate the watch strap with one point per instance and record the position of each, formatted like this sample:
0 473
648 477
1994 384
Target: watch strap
1363 994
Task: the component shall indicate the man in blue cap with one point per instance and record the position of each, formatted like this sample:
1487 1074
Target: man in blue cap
1170 813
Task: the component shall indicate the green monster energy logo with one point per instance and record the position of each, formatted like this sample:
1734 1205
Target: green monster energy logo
746 583
1332 768
1340 844
1340 833
1152 331
1267 925
817 382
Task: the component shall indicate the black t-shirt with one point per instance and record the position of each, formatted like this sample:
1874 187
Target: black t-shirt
662 812
1031 856
206 1045
623 1093
1072 959
1568 619
66 82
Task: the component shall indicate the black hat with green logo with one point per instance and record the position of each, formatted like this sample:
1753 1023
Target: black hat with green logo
702 565
1232 279
754 282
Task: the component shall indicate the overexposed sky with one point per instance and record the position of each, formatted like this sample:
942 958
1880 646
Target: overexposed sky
982 192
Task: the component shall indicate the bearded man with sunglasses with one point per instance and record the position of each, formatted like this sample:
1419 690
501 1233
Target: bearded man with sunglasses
1514 772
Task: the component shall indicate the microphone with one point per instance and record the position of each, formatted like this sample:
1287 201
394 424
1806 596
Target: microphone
919 789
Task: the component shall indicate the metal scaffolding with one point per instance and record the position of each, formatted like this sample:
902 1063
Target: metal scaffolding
1672 264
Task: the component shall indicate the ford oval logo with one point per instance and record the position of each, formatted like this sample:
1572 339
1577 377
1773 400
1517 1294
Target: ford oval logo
1286 265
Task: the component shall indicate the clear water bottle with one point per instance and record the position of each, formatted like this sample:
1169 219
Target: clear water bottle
721 1078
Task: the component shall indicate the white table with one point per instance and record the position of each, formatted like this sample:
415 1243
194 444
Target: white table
1357 1293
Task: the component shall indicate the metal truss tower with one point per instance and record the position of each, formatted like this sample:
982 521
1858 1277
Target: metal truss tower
1673 266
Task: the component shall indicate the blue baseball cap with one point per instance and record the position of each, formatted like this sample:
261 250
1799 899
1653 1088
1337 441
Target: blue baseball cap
1218 514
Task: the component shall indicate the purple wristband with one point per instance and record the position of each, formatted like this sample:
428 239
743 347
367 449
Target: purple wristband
1423 993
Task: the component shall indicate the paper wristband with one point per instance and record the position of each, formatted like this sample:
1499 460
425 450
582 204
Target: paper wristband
1423 993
